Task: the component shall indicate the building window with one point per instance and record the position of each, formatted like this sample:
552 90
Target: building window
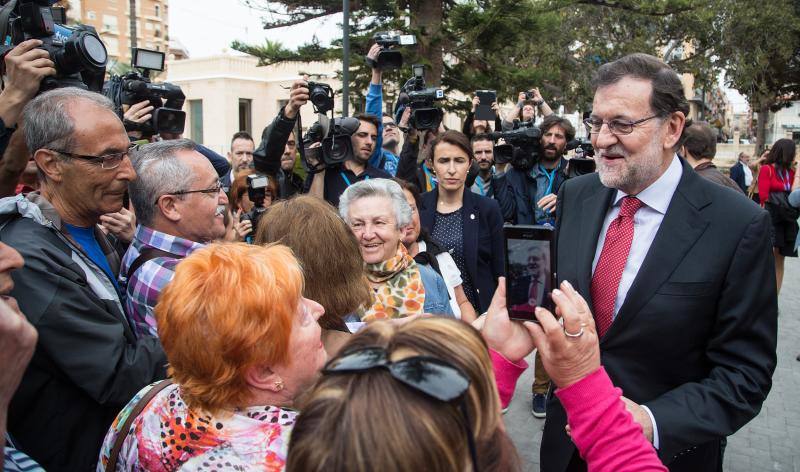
158 32
158 11
109 23
196 120
245 107
112 44
148 26
91 15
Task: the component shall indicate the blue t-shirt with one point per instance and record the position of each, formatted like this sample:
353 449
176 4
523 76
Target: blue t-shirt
85 237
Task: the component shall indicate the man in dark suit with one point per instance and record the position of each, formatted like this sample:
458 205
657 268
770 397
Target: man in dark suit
667 261
741 172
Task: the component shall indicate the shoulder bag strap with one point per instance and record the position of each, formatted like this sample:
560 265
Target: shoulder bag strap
148 253
123 432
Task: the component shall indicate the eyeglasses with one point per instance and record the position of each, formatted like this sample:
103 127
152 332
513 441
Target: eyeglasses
389 125
209 191
107 161
428 375
615 126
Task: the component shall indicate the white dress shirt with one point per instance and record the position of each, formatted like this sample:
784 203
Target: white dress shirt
646 221
748 175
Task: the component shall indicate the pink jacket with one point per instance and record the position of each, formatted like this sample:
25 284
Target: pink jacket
605 433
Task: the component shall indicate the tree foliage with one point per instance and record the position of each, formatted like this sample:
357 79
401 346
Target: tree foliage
512 45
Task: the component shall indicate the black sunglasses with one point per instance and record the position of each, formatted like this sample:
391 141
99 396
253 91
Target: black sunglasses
433 377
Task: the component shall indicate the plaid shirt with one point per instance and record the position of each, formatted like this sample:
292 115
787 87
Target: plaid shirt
146 284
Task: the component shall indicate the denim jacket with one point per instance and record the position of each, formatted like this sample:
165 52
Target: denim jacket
437 301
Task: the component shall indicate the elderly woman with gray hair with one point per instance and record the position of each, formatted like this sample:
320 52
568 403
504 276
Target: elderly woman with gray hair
377 213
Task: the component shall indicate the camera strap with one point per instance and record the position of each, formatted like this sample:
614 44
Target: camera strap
5 14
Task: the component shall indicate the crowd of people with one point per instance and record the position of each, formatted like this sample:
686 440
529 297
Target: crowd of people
158 314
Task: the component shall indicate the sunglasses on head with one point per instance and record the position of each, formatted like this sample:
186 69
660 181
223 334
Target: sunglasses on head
435 378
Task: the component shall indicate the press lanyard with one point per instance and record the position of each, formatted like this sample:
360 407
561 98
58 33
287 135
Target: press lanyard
551 177
787 185
430 182
480 185
347 181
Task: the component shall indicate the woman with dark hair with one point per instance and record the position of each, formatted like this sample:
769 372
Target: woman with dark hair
426 251
468 226
774 183
473 126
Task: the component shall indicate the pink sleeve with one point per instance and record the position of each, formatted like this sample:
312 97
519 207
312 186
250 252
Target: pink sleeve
605 433
506 374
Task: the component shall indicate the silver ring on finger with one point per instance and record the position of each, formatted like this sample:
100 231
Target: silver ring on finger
575 335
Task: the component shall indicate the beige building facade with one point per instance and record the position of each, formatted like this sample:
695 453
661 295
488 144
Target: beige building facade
230 93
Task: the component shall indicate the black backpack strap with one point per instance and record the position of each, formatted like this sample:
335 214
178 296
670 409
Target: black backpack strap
146 254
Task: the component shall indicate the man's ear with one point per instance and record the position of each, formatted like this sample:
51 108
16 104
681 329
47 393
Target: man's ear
50 164
675 124
263 378
169 207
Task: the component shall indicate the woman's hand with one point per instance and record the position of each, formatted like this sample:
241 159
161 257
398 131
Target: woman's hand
475 102
572 351
509 338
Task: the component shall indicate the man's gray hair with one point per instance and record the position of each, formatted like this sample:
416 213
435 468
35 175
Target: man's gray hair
159 172
377 188
48 124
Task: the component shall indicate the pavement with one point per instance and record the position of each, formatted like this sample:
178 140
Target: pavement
770 442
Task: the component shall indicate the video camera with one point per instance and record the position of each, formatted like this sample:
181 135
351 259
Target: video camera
583 162
421 100
136 86
521 148
78 53
387 58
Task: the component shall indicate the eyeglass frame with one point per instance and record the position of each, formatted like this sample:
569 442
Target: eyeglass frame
613 128
382 361
90 158
209 191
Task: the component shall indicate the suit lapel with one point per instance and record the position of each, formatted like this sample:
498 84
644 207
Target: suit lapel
682 226
470 217
593 211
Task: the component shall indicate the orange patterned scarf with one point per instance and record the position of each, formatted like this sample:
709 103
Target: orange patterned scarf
400 292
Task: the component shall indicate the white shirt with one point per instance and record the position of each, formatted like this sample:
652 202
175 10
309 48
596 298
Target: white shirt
450 274
748 175
646 222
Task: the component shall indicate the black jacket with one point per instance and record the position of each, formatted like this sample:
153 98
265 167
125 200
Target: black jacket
484 249
407 168
515 191
737 175
88 364
695 338
267 156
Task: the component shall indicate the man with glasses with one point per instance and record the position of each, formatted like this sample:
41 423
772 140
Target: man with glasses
180 207
87 364
666 260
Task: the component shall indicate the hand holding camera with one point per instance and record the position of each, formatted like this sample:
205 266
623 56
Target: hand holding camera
25 67
298 96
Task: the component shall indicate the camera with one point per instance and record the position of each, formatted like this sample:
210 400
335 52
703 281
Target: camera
256 192
523 144
421 100
136 86
321 97
78 53
337 146
390 59
583 162
529 95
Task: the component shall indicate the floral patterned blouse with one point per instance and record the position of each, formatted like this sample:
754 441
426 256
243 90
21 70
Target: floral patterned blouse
168 435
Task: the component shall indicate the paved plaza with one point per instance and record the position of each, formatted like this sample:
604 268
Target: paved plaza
771 442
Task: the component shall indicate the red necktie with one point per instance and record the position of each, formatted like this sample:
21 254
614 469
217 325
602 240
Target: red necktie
607 274
533 293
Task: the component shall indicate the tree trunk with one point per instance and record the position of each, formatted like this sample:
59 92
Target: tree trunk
426 18
761 127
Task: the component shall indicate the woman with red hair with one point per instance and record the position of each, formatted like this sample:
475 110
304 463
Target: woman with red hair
242 343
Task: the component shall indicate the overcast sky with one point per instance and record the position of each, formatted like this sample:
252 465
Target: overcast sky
206 27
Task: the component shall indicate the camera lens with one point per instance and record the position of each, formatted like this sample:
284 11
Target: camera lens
94 49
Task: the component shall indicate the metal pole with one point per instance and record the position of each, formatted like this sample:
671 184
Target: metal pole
346 58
